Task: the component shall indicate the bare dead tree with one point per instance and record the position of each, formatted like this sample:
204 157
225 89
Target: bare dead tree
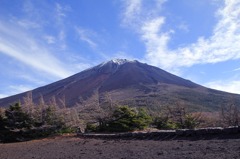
230 115
42 108
28 105
96 109
2 112
53 103
177 113
62 102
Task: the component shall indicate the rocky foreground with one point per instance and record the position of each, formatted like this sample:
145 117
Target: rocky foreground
72 147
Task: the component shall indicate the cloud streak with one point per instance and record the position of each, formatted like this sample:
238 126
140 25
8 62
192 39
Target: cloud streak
232 86
132 11
3 95
18 44
15 89
86 36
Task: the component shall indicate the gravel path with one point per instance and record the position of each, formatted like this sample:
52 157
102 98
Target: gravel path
70 147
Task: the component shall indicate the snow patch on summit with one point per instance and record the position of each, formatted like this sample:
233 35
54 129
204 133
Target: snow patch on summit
114 64
117 62
121 61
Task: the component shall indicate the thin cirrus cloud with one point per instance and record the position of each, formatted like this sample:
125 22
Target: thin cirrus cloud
86 35
49 39
60 17
14 89
28 51
28 24
19 88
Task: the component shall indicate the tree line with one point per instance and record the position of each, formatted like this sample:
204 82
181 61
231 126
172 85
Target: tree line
20 123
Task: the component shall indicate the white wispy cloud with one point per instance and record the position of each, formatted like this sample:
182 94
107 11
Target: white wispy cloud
20 88
20 45
87 36
61 38
32 16
183 26
15 89
37 44
60 15
61 11
132 11
3 95
137 11
232 86
237 69
50 39
27 24
31 79
155 41
223 45
26 38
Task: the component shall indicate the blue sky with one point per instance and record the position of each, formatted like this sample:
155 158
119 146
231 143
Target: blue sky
42 41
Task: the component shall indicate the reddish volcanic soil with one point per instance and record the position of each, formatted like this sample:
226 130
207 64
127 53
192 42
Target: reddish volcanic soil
71 147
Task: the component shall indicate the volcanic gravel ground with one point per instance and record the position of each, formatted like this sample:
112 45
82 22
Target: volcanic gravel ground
71 147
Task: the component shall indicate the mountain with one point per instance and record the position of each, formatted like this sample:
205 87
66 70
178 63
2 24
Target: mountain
132 83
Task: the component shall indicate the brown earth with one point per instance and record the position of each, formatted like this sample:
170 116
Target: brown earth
72 147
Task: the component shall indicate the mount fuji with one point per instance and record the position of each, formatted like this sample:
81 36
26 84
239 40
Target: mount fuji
131 83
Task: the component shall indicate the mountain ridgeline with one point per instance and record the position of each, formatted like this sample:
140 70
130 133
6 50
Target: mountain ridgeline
131 83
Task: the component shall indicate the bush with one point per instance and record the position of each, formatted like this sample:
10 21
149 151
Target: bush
164 123
191 122
91 127
125 119
122 119
16 118
177 118
65 130
16 124
142 120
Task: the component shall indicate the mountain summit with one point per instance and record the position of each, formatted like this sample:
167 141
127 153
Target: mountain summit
112 65
128 82
119 61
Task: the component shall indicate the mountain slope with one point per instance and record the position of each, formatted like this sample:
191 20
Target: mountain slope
132 83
